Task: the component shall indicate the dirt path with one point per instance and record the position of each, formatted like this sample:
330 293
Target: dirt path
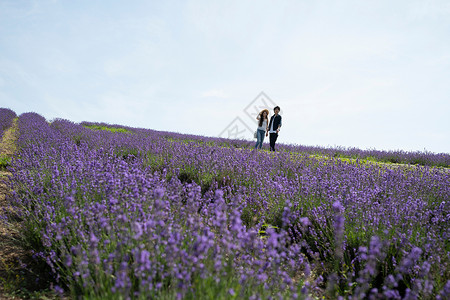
17 278
21 276
12 254
8 142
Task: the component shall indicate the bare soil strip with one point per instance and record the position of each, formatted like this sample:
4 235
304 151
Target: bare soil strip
17 278
12 254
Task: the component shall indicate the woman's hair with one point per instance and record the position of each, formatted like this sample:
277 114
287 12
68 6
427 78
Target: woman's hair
262 118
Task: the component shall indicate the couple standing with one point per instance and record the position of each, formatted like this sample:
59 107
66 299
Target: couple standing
264 126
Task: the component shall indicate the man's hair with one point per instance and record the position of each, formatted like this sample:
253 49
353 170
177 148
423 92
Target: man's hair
276 107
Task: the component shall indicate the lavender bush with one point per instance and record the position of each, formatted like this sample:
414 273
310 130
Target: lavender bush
6 119
147 214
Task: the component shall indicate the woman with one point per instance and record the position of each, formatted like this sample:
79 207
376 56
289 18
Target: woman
263 118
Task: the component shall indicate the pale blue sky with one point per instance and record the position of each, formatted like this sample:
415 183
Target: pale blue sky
366 74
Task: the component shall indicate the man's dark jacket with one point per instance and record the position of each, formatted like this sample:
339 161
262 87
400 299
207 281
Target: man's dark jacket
276 122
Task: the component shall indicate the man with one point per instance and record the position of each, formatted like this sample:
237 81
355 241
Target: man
274 127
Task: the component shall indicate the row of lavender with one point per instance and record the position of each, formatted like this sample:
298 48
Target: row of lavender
425 158
6 119
152 214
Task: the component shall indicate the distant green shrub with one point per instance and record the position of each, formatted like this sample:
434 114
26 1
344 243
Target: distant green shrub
112 129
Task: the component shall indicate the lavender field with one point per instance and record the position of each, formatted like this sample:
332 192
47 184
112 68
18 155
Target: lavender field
128 213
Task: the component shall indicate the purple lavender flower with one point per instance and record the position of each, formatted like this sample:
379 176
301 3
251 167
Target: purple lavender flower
137 229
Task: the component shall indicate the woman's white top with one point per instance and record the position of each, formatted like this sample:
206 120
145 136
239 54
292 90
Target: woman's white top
263 126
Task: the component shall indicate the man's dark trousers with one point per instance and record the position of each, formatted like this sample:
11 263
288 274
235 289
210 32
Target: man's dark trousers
273 138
